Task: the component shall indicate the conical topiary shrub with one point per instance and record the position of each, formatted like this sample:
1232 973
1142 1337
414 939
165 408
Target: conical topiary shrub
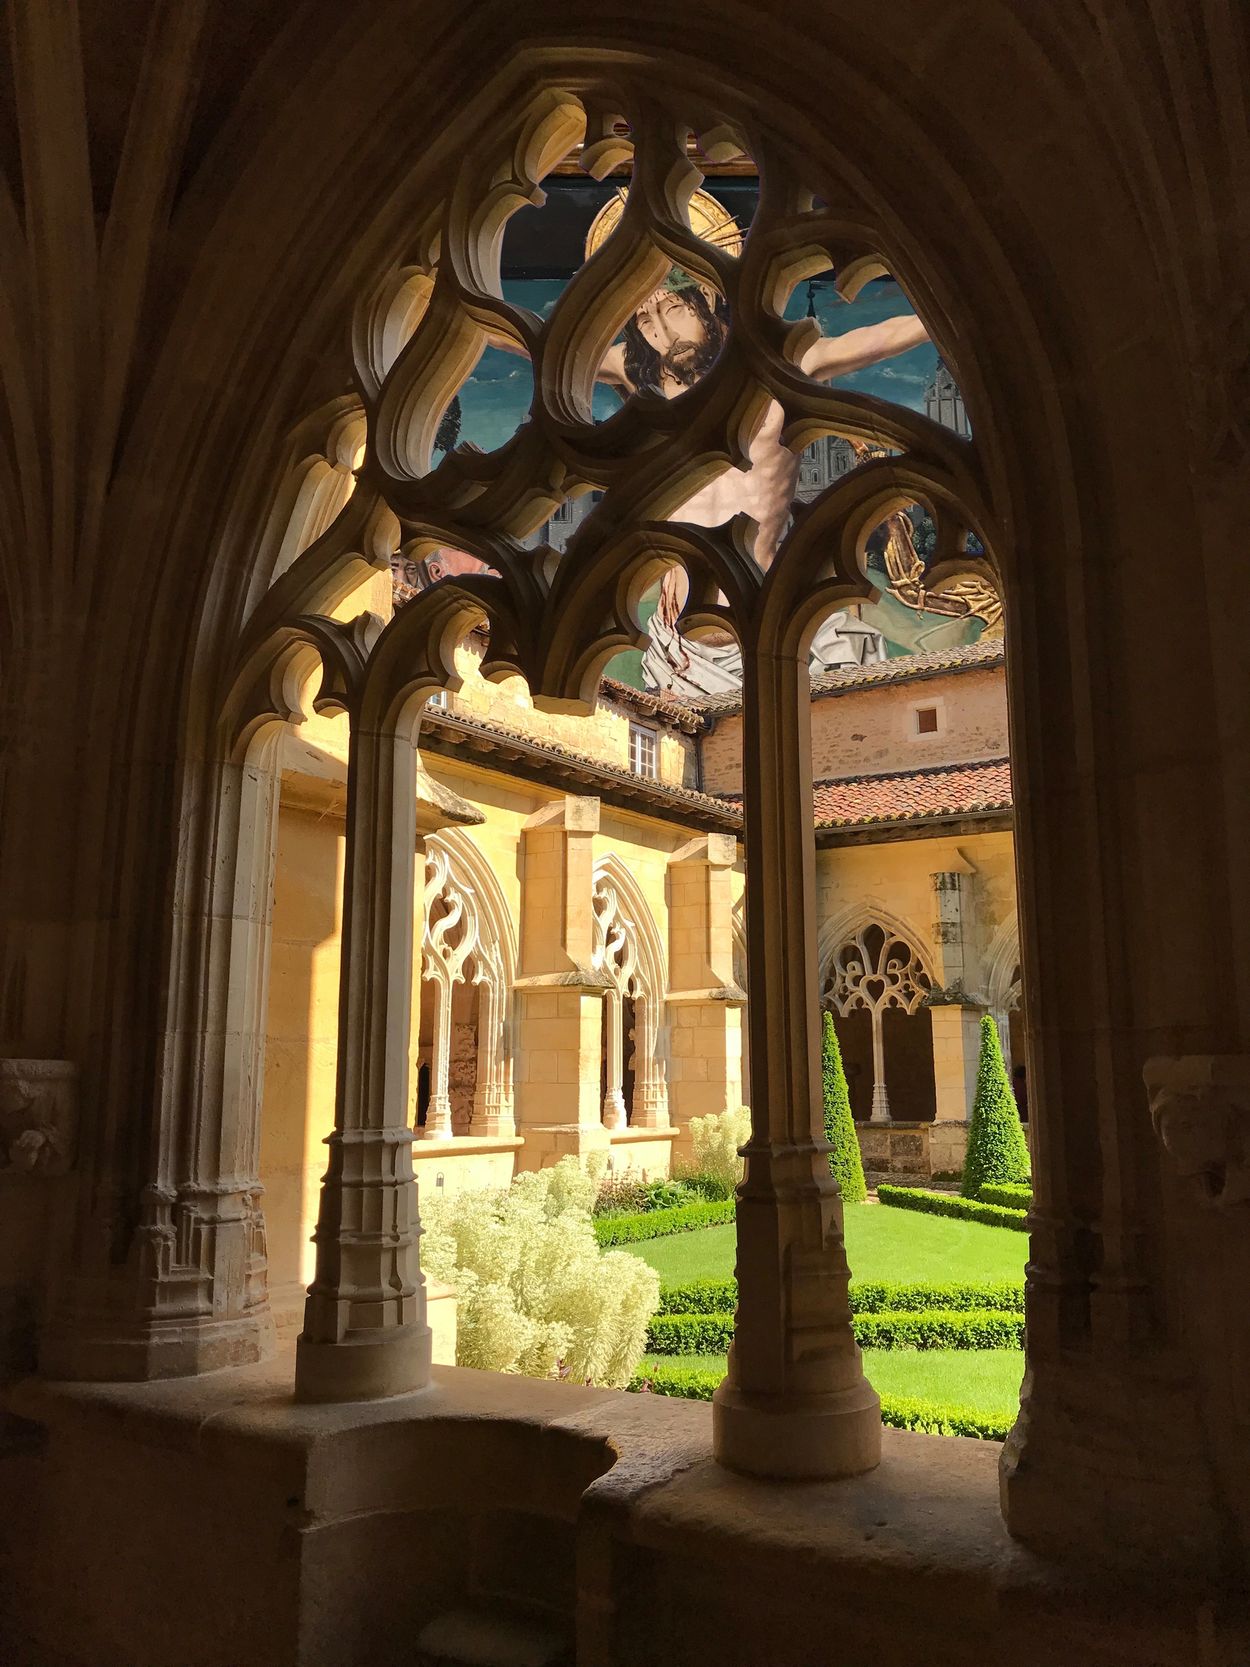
844 1161
997 1150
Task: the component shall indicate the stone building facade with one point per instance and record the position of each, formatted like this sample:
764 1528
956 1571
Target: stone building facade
583 975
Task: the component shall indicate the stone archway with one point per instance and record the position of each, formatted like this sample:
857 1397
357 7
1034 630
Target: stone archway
878 971
628 948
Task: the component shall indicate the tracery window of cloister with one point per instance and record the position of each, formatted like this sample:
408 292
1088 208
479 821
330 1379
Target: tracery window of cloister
878 972
681 519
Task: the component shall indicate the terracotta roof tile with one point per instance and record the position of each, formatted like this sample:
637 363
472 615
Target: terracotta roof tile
944 790
987 652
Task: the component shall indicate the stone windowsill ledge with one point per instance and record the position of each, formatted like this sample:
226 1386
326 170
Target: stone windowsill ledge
910 1562
464 1145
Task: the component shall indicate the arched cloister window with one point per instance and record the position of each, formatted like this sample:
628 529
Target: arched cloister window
877 971
466 1029
680 422
635 1090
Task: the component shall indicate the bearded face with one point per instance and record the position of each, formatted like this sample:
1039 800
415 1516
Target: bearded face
673 339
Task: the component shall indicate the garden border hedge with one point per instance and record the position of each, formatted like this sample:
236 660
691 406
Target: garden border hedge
658 1224
899 1412
931 1328
947 1204
867 1296
1011 1195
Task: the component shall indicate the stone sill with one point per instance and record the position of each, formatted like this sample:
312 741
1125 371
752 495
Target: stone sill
624 1137
464 1145
911 1562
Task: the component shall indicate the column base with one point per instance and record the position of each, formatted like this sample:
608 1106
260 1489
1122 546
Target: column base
369 1368
798 1437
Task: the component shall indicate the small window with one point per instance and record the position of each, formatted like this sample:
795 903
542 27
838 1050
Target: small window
437 701
926 720
643 751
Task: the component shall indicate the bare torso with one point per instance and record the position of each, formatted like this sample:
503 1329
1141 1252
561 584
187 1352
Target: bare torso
764 490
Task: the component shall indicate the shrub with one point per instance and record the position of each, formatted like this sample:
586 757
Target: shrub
1010 1197
997 1150
658 1224
690 1333
714 1143
715 1188
932 1328
938 1328
897 1411
535 1293
720 1296
944 1204
845 1163
620 1195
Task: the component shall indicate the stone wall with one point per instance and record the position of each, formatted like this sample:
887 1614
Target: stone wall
872 731
918 1149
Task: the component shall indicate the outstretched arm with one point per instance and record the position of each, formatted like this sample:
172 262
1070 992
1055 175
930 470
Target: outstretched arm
834 356
611 371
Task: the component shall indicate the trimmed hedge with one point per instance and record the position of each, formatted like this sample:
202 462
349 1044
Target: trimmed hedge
658 1224
898 1412
1011 1197
720 1296
997 1150
946 1204
690 1333
845 1163
930 1328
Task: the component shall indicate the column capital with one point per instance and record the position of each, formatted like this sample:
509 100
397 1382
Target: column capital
1200 1107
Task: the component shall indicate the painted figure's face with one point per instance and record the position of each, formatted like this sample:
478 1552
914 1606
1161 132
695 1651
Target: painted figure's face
672 325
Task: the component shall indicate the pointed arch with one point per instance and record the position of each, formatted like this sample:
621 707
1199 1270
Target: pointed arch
630 948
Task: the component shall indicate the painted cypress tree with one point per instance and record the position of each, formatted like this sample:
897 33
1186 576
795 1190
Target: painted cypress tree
997 1150
844 1161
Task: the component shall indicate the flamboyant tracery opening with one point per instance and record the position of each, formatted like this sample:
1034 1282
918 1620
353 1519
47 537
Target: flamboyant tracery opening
690 484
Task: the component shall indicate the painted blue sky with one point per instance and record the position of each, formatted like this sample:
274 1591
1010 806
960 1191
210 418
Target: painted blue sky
496 398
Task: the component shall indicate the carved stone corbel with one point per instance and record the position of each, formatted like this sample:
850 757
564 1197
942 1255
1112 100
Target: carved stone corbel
1200 1106
38 1115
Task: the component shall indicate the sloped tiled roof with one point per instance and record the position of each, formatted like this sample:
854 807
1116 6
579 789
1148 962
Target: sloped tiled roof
910 795
971 657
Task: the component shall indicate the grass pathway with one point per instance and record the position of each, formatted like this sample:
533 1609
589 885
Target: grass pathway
881 1243
987 1379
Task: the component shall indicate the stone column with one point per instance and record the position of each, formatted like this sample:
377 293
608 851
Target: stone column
705 1000
614 1053
956 1013
559 990
650 1108
365 1333
438 1112
880 1112
796 1402
492 1095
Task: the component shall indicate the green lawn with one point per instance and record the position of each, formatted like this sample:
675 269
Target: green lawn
882 1243
987 1380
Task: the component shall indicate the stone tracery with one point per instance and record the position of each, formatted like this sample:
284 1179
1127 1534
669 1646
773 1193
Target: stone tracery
877 969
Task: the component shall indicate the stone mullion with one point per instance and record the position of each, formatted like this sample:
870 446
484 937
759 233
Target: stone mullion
492 1116
795 1402
650 1108
365 1333
438 1116
614 1049
880 1093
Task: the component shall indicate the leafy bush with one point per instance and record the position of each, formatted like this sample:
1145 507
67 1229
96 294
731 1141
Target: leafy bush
897 1411
658 1224
699 1296
690 1333
845 1163
997 1150
937 1328
627 1194
932 1328
715 1188
714 1143
535 1294
873 1297
943 1204
720 1296
1010 1197
619 1195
